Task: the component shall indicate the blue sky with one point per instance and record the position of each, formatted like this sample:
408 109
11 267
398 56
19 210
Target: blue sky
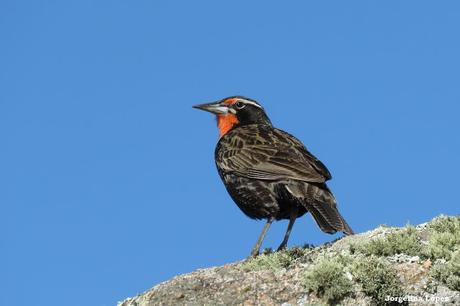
108 183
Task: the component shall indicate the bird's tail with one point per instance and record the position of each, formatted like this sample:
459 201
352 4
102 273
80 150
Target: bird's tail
329 219
320 202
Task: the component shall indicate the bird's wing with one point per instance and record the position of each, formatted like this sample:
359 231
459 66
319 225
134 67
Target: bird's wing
276 155
313 161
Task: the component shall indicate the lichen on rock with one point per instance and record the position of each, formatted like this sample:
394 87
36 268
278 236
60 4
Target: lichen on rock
415 265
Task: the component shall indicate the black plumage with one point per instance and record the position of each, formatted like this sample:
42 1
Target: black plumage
268 172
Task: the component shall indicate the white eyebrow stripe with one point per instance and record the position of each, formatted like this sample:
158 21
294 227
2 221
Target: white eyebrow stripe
250 102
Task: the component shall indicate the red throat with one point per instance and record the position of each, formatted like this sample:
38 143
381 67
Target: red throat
225 123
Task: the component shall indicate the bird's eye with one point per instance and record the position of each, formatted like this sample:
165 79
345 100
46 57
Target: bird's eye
240 105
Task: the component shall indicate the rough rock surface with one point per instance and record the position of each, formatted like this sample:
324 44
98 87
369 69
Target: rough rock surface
280 278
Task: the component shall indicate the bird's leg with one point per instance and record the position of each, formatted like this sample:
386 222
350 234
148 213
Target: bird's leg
292 219
255 250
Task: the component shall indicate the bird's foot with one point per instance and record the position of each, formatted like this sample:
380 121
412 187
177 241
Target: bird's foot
281 247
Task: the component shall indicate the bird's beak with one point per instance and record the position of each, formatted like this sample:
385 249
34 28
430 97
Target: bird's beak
214 107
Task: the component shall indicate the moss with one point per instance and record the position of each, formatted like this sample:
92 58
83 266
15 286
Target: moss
326 278
448 272
274 261
401 241
444 237
378 279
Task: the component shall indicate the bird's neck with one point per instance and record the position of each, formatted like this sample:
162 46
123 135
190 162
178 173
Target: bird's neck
228 121
225 123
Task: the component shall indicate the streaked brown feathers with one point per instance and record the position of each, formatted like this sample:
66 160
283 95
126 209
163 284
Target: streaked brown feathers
268 172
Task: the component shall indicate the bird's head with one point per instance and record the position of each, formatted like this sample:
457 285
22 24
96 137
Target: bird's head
235 111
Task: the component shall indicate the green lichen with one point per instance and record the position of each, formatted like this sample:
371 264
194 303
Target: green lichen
274 261
448 272
444 237
378 279
326 279
401 241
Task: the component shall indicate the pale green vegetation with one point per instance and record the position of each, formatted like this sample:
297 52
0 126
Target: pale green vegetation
444 245
440 244
333 277
448 272
377 278
327 279
444 237
274 260
401 241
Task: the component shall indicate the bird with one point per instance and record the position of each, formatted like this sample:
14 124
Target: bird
269 173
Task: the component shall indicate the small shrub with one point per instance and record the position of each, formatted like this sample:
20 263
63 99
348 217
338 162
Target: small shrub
445 224
444 237
442 245
273 260
402 241
448 272
326 278
378 279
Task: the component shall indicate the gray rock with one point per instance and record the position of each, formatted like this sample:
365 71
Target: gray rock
278 279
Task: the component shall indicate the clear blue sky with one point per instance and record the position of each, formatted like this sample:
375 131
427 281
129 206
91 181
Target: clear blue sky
107 178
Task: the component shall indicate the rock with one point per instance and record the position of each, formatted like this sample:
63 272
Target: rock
280 278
